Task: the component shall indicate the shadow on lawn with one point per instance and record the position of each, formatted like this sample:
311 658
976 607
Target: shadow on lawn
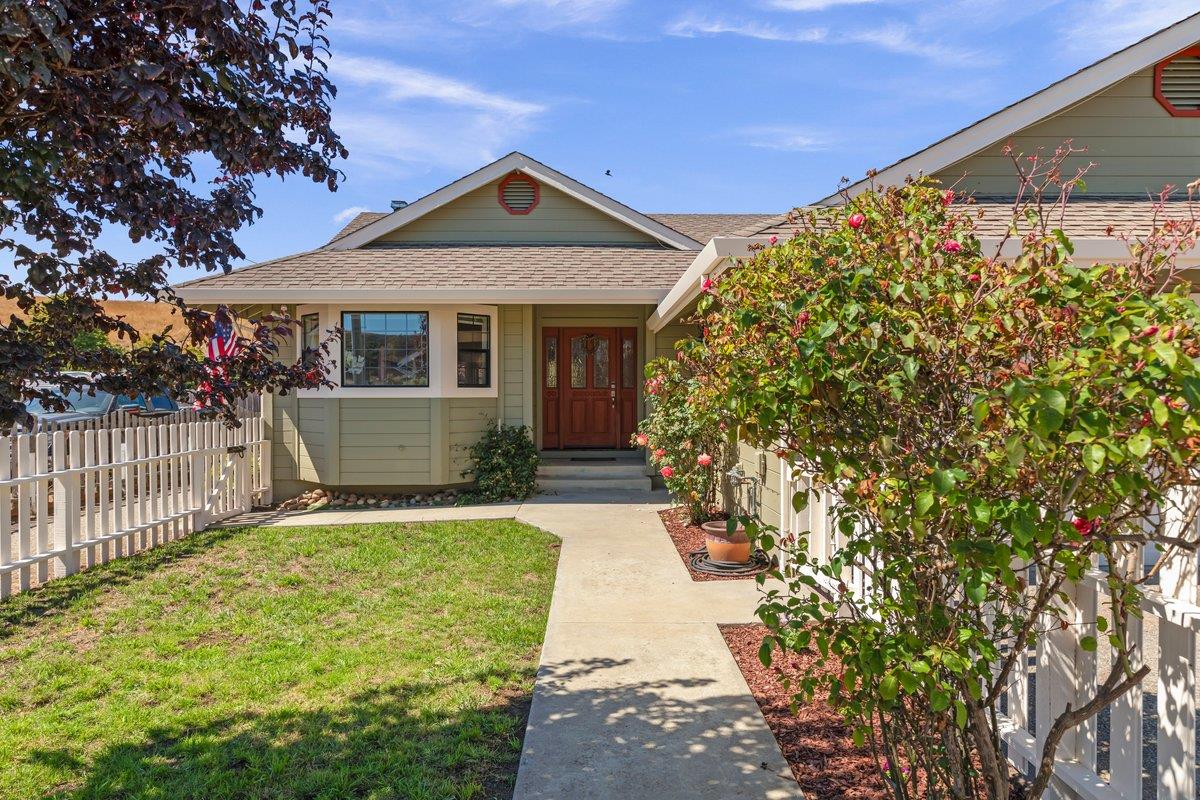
381 743
29 608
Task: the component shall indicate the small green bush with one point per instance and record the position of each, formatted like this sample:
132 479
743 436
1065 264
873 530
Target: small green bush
506 465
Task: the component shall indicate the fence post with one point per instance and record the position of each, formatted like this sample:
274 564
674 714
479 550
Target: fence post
6 512
197 442
66 504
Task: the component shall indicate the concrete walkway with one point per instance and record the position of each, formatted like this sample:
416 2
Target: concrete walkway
637 696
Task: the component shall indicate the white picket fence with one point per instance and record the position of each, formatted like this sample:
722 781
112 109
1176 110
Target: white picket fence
1062 672
80 498
247 407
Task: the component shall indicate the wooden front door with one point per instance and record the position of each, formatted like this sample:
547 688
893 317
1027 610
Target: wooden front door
587 399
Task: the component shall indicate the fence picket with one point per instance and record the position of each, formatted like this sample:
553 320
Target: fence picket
80 494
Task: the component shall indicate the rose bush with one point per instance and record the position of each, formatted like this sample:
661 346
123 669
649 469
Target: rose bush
688 444
990 429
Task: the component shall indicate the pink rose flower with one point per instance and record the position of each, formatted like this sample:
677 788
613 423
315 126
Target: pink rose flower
856 221
951 246
643 440
667 472
948 197
1086 527
773 240
707 285
704 460
659 453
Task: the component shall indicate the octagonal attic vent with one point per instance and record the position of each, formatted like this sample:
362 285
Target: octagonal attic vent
519 193
1177 83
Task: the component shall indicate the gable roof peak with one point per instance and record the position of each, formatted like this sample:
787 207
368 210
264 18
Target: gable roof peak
1053 99
515 162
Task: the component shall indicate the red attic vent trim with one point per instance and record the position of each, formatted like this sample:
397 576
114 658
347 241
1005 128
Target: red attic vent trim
519 194
1177 83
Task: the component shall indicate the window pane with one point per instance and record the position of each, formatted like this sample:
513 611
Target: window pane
579 362
385 348
628 363
600 363
311 324
552 362
474 350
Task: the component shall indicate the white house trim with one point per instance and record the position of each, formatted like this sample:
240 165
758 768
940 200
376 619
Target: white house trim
712 260
515 162
1051 101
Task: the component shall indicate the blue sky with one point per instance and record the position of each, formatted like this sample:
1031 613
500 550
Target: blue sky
695 105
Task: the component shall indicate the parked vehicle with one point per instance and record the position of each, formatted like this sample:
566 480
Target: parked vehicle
86 405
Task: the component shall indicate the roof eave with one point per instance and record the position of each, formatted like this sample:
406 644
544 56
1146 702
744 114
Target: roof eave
566 295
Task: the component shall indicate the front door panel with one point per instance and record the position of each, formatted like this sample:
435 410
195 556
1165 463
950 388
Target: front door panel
589 388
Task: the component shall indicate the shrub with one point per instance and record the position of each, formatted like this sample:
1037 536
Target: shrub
685 439
505 465
990 430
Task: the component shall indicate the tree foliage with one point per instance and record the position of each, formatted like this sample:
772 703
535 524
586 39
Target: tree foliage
152 119
993 430
689 446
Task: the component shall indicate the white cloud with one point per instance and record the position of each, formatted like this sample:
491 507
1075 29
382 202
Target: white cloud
1101 26
401 83
347 214
559 13
787 138
814 5
897 38
694 25
418 119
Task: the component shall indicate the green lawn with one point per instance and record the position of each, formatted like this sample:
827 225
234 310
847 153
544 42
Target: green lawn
370 661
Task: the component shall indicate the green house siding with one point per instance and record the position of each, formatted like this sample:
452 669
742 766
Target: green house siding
1137 145
386 441
468 420
762 496
515 405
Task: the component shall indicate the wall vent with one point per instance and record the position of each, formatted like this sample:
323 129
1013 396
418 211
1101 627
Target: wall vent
1177 84
519 193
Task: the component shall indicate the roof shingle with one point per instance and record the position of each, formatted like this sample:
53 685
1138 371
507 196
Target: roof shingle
464 267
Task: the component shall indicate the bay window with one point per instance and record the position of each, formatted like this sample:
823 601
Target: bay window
474 351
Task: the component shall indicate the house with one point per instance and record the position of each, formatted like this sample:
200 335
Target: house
518 294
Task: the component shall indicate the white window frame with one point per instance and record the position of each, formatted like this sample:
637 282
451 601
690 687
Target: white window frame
443 351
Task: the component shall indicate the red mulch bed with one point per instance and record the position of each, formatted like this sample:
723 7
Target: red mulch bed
815 741
689 538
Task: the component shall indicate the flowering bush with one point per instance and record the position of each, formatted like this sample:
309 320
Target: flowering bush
687 444
990 428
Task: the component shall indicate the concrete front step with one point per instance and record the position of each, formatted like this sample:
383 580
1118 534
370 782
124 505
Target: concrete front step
598 469
593 484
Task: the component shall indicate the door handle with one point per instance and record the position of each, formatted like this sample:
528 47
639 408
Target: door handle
612 394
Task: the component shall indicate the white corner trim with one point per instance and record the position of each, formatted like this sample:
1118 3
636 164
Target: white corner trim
716 256
515 162
1050 101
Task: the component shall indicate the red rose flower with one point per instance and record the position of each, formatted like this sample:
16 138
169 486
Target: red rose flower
856 221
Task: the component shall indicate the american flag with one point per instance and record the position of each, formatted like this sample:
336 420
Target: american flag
223 343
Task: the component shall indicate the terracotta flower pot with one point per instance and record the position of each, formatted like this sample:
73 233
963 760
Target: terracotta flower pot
732 548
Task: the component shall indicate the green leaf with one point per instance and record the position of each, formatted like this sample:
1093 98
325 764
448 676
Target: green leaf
1160 412
1093 457
925 501
800 500
1139 444
764 652
1166 354
943 480
889 687
960 713
1088 643
939 700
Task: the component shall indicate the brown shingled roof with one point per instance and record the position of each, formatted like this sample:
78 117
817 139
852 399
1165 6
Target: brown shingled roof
1083 219
465 266
700 227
